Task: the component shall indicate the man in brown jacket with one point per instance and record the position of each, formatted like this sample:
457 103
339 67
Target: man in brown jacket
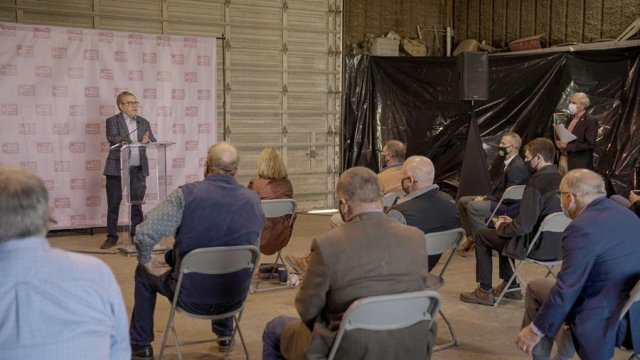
371 254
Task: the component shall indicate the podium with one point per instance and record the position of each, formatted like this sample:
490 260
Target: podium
152 156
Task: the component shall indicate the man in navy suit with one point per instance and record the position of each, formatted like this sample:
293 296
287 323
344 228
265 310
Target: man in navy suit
578 154
121 129
599 268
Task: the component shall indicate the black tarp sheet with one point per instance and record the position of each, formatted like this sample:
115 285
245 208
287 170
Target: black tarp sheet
416 100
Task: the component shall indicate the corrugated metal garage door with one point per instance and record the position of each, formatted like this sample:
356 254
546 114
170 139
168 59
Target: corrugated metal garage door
283 71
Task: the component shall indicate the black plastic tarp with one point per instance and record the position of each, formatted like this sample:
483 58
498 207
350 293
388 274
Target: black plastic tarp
416 100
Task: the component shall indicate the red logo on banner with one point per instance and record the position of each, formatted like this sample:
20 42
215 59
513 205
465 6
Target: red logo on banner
58 53
8 70
120 56
59 91
31 165
191 145
104 146
164 111
191 111
149 58
105 37
24 51
178 94
191 43
74 35
191 178
10 148
44 148
165 180
78 147
135 39
27 129
76 110
62 203
191 77
42 33
106 74
91 54
61 166
44 110
78 184
61 129
7 30
178 163
92 165
153 163
135 75
75 73
92 129
91 91
78 219
163 40
26 90
9 109
149 93
204 94
48 184
92 201
204 60
163 76
204 128
107 110
43 71
177 59
178 128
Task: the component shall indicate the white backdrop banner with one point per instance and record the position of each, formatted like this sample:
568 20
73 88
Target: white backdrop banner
58 85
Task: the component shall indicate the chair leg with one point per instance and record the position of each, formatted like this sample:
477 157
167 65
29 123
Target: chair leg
175 338
166 332
454 339
506 287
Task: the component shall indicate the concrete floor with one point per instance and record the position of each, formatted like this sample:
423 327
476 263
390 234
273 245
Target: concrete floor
484 332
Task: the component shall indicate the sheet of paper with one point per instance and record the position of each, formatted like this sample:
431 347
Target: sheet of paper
563 134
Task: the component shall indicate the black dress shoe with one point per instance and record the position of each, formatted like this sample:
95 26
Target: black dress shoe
225 343
141 352
108 244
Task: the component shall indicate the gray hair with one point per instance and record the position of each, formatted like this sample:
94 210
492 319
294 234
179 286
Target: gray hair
223 158
516 140
360 185
584 183
24 204
583 98
420 168
396 148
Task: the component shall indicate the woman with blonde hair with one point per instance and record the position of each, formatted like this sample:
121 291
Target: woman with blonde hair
272 183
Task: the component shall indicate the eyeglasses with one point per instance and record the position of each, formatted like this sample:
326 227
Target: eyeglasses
131 103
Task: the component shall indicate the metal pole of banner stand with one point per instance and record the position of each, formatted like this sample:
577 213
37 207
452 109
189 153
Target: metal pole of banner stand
224 88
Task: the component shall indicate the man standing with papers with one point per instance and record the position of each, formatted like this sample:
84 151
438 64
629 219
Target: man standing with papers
577 153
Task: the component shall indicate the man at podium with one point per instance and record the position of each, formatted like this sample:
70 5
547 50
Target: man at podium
125 128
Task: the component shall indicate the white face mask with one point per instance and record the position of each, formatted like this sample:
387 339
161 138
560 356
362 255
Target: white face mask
573 108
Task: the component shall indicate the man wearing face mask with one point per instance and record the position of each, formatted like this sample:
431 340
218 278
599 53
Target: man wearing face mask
578 154
474 210
538 200
425 206
599 268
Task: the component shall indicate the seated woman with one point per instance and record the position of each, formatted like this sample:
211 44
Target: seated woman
272 183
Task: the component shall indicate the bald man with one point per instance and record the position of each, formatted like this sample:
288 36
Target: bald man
599 267
216 211
578 154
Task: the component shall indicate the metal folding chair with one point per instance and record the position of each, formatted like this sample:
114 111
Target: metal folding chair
389 200
634 297
511 193
212 261
387 312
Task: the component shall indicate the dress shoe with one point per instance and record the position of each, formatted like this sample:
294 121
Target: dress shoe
515 295
141 352
108 244
466 249
298 264
225 343
478 296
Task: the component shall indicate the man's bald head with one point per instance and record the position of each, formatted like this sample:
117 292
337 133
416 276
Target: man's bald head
583 183
222 158
420 168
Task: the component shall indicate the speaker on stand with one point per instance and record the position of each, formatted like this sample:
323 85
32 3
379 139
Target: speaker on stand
473 68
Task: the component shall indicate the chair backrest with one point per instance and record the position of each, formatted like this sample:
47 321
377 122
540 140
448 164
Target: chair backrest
389 199
388 312
555 222
634 296
279 207
439 242
220 260
513 192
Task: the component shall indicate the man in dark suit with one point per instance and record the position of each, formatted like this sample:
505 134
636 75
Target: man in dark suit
474 210
538 200
121 129
579 152
599 268
425 206
371 254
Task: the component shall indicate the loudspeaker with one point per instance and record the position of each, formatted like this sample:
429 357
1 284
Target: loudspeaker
473 68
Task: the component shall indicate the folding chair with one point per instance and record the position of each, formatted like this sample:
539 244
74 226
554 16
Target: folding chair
556 223
274 209
438 243
212 261
387 312
634 297
389 200
511 193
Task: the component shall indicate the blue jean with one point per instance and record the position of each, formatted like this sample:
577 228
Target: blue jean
271 337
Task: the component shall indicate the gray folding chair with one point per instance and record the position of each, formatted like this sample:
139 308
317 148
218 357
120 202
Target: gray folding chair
389 200
274 209
387 312
438 243
634 297
511 193
556 223
212 261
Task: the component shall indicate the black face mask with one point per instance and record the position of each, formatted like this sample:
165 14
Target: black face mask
502 151
530 167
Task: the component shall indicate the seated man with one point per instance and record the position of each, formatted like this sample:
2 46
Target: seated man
425 206
371 254
474 210
393 154
599 267
216 211
633 203
54 304
538 201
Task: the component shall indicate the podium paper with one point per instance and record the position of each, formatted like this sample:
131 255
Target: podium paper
563 134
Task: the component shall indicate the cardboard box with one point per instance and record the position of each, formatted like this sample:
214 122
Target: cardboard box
385 47
528 43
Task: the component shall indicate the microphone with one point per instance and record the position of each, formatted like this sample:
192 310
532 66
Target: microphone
132 131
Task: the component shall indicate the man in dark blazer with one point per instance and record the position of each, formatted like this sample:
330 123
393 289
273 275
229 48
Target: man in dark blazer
538 200
599 268
124 128
474 210
371 254
579 152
